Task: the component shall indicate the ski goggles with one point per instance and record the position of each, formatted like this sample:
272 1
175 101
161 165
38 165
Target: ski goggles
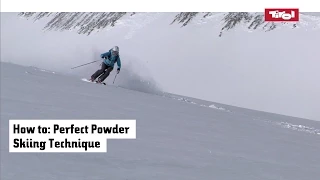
115 52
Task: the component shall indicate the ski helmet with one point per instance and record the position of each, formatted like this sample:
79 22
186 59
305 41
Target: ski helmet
116 49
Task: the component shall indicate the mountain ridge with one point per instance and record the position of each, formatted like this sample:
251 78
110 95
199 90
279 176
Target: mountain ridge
86 23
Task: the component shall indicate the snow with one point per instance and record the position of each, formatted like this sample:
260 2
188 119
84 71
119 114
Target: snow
299 128
187 100
271 71
177 137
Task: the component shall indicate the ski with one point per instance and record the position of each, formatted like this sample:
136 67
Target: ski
96 82
101 83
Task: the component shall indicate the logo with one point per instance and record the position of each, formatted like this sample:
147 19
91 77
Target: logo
278 15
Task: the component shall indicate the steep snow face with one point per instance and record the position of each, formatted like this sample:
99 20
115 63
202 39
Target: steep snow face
272 71
177 137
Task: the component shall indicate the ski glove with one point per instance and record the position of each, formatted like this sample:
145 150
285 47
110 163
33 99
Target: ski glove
118 70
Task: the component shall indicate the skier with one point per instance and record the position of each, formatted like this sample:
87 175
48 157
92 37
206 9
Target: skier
110 57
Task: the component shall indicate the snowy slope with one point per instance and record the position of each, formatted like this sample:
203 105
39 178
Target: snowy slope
272 71
178 138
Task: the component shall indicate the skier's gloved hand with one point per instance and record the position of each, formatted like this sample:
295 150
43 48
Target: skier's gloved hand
104 57
118 70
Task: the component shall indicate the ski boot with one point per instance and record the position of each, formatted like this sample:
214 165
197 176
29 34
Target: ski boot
100 82
90 79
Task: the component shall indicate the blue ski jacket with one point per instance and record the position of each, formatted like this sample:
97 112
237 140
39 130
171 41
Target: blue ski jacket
111 59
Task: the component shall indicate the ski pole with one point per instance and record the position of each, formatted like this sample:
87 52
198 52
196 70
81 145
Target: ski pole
84 64
115 78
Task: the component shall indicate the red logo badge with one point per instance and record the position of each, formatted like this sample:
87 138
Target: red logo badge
278 15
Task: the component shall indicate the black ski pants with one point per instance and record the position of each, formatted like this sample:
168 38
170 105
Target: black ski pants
103 72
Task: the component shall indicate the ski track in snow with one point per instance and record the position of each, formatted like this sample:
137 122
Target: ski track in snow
184 99
291 126
301 128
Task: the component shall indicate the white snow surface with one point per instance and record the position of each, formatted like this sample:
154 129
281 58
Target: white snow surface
178 138
274 71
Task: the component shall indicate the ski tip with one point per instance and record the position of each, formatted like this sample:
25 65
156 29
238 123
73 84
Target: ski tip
85 79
